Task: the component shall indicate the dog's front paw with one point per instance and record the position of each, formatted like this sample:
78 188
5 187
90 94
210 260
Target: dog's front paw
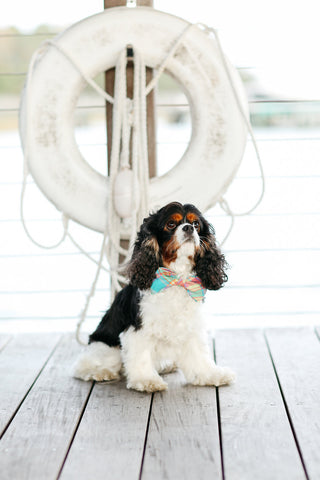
224 376
215 376
150 385
98 362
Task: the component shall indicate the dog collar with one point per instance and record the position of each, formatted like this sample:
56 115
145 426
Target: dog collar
167 278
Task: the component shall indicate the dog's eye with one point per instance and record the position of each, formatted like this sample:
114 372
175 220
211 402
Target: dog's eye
171 225
196 224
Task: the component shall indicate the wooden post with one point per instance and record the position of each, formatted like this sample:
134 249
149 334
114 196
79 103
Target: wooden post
109 87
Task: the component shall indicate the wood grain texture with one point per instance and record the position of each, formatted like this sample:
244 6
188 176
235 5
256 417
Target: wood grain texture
183 436
183 440
256 435
114 3
35 444
20 362
296 354
110 439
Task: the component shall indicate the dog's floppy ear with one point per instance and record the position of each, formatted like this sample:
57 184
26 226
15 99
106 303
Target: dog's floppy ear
145 258
210 262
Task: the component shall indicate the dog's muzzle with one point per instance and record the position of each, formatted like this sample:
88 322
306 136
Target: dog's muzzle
189 233
188 229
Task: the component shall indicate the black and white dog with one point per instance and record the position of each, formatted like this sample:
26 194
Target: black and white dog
154 324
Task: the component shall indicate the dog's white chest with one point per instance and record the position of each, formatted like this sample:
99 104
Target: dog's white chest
170 314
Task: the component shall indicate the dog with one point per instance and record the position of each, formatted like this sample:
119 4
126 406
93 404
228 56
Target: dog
154 324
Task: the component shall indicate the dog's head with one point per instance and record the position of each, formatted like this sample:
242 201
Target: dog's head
160 238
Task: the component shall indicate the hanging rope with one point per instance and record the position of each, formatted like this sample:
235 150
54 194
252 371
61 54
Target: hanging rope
65 220
222 201
129 121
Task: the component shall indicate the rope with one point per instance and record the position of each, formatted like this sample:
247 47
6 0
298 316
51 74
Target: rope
91 293
166 59
129 123
65 220
89 80
222 201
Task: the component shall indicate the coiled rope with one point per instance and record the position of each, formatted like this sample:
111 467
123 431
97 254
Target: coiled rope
129 120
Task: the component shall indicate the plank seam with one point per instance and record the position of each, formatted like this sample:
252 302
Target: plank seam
286 408
146 437
76 429
219 417
30 388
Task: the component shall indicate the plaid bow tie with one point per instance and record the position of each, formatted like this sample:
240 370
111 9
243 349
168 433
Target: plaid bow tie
166 278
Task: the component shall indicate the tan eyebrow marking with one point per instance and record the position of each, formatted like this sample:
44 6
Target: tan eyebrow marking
192 217
176 217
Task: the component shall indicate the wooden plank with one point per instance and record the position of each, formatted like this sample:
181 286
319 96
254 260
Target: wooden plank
110 439
296 354
183 439
35 444
20 363
256 436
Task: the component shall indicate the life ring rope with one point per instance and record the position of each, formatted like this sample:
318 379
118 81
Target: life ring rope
122 127
222 201
119 160
26 172
89 80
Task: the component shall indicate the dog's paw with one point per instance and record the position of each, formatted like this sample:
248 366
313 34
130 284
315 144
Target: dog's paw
167 368
104 375
99 373
98 362
149 385
224 376
217 376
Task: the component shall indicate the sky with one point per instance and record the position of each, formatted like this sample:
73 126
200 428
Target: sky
280 38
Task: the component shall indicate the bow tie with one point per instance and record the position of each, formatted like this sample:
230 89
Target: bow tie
167 278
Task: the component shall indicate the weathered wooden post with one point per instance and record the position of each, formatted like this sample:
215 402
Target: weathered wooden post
109 87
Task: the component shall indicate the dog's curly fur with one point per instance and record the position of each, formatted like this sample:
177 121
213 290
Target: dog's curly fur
210 263
145 332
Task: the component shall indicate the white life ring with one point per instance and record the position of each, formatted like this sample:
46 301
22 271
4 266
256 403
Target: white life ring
218 131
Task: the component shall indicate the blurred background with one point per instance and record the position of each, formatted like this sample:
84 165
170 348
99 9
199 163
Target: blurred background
273 253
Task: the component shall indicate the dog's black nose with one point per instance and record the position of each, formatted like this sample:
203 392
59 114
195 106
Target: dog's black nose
188 228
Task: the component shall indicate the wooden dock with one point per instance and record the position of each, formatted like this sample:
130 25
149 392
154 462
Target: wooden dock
265 426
